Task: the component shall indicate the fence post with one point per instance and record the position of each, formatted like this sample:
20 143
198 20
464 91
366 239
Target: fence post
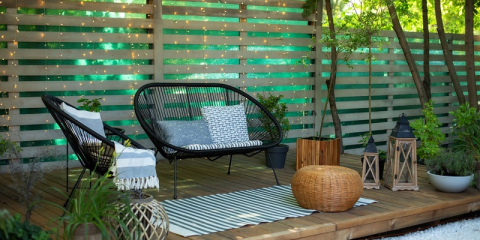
318 66
14 110
157 40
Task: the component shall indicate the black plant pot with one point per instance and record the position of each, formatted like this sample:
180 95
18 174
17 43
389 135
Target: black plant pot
381 165
277 155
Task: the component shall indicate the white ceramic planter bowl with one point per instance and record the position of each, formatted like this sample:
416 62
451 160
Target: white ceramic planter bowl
451 184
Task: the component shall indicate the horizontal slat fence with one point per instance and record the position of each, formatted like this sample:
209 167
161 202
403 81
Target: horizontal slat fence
107 49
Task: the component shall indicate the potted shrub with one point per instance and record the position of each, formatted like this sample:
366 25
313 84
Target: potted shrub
382 156
94 105
278 153
466 130
451 171
429 133
96 212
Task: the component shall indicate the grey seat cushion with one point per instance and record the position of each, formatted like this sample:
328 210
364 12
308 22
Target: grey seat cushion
182 133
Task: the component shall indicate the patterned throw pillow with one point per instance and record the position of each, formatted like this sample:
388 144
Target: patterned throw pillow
182 133
226 123
224 145
92 120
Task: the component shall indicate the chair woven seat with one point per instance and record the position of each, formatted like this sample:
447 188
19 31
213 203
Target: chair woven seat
327 188
158 104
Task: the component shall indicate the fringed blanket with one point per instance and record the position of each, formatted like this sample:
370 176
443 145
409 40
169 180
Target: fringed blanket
135 168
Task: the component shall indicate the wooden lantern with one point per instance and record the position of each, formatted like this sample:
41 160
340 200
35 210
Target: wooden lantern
401 168
370 172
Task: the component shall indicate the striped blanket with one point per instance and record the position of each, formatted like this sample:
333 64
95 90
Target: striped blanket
135 168
219 212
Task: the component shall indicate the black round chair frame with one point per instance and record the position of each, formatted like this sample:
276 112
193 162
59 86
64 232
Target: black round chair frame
94 151
182 101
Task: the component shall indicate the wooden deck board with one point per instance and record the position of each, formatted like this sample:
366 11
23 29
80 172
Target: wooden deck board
198 177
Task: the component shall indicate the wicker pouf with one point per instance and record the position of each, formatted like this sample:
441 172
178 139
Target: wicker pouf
327 188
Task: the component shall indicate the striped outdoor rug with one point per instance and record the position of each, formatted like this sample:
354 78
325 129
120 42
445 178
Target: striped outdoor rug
219 212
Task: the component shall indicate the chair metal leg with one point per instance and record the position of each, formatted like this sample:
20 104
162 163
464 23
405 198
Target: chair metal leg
230 165
65 205
175 178
274 173
67 166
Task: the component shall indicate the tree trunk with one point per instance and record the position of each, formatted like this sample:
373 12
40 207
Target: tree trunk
426 52
469 58
333 76
447 54
408 54
370 83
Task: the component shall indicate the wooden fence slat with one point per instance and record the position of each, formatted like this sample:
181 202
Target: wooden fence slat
36 70
234 40
74 54
241 26
53 20
232 13
201 54
79 5
173 69
24 36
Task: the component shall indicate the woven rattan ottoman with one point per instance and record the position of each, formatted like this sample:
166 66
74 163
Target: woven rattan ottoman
327 188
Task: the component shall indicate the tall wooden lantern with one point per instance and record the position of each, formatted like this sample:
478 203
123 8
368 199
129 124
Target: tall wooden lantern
370 172
401 168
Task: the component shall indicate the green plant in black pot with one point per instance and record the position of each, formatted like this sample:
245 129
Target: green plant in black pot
275 157
92 105
428 130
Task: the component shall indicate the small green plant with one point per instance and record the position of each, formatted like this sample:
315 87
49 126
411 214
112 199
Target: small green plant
90 105
466 128
451 163
364 141
101 205
8 147
429 132
278 110
14 228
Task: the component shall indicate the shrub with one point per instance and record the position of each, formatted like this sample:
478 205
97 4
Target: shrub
451 163
14 228
278 110
429 132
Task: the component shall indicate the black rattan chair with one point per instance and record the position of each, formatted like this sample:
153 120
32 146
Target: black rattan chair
183 101
93 150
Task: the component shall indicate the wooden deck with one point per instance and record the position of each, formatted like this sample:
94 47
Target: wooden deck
394 210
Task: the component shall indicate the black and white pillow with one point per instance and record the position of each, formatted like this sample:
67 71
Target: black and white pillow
226 123
182 133
92 120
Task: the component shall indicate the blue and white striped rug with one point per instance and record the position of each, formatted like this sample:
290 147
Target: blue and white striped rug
219 212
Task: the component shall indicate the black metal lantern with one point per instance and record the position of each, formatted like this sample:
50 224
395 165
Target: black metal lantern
401 168
402 129
370 170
